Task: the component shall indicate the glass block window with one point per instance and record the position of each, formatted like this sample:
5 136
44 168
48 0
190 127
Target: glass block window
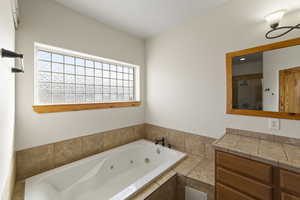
67 78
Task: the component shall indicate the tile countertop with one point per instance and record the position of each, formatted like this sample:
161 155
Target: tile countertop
281 155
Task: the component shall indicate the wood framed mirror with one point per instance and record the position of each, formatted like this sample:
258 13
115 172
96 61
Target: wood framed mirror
265 80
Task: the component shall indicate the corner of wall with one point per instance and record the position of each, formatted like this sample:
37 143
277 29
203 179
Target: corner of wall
10 181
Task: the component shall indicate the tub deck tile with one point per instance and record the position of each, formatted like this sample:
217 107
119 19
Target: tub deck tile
165 177
204 172
187 165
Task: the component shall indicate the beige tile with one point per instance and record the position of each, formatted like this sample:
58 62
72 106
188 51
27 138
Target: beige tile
139 131
155 132
194 144
146 192
287 140
67 151
204 172
271 151
239 153
264 159
185 166
209 140
248 133
259 135
176 139
293 157
228 130
165 177
92 144
209 151
229 141
131 134
111 139
126 135
34 161
248 145
292 152
19 190
265 136
40 159
290 165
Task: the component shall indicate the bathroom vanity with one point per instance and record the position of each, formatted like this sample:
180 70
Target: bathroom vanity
249 168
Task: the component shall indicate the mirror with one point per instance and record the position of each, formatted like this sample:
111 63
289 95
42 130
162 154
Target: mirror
265 81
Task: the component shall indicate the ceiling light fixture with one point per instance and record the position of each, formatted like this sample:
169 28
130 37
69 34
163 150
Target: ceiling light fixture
242 59
274 20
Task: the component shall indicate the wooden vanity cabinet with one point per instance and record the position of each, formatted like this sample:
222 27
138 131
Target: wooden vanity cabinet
289 185
239 178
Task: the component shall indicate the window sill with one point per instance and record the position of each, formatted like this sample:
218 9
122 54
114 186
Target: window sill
78 107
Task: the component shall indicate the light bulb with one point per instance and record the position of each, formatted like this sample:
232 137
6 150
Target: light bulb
274 18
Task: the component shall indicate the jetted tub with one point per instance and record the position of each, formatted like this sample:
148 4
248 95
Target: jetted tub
115 174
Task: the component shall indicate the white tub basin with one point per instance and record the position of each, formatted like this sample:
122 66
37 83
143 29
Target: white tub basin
115 174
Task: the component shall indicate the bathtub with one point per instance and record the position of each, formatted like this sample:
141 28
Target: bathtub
115 174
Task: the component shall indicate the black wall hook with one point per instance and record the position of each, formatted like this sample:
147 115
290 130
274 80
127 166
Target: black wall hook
10 54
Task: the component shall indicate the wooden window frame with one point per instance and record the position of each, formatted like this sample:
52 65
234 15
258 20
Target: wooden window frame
77 107
66 107
229 81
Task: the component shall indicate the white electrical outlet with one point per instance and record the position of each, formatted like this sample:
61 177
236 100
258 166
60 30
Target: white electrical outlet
274 124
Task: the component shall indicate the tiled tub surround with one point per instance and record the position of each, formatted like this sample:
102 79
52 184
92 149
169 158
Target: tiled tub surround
30 162
115 174
192 144
197 170
277 151
162 188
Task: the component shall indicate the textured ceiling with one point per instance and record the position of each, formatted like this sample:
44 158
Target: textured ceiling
143 18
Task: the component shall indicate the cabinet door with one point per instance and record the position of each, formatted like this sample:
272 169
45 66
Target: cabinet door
226 193
245 166
244 184
285 196
290 181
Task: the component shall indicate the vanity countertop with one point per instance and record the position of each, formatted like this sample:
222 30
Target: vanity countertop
286 156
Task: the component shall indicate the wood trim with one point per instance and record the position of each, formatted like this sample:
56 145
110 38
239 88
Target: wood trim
267 47
259 113
78 107
229 80
229 83
281 90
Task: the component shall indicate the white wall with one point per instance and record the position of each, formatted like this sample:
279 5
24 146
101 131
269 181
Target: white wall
7 99
186 86
48 22
273 62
